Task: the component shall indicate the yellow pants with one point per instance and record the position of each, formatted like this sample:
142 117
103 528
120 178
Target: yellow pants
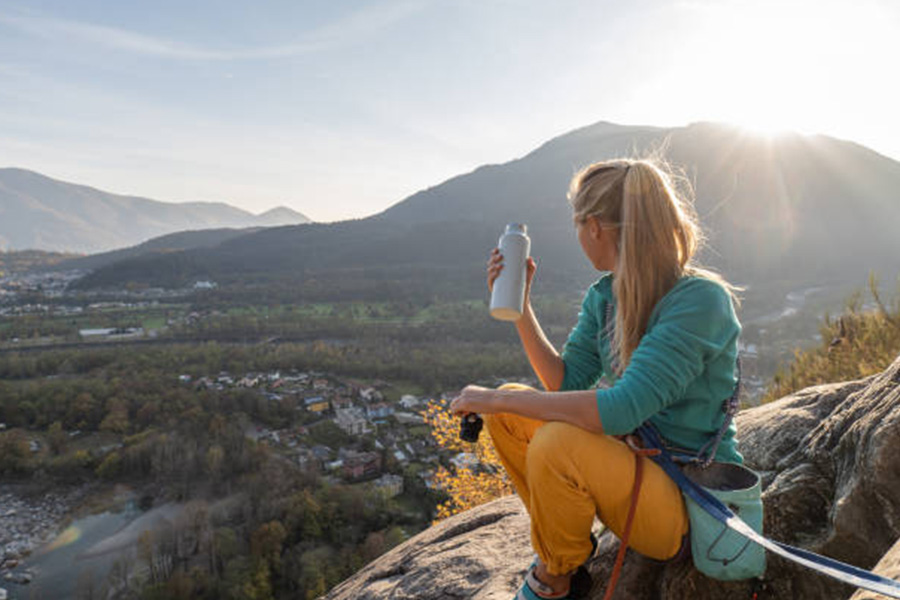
565 475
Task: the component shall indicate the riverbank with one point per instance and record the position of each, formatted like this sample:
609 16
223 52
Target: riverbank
29 518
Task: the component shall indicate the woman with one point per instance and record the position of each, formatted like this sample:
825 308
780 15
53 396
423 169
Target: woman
662 332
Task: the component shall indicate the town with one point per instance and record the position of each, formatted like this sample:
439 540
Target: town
393 430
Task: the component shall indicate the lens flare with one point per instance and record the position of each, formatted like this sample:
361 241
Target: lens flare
69 536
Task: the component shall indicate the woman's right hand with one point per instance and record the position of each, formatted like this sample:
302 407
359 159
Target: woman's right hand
495 265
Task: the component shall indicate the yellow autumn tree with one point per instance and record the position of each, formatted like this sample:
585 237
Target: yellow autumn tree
480 480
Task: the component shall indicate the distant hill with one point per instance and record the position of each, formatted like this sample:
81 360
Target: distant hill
792 209
173 242
37 212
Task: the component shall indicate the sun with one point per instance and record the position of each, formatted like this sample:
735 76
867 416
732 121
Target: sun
769 67
769 127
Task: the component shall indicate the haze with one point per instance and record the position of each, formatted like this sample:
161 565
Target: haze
340 110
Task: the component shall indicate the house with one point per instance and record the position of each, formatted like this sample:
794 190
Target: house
379 410
405 418
316 404
427 476
271 436
464 460
248 382
390 485
205 285
351 420
361 465
322 453
308 461
340 403
370 394
408 401
320 384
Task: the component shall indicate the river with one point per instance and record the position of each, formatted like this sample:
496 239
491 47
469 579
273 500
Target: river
86 551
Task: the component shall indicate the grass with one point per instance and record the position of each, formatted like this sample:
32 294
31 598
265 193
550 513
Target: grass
857 343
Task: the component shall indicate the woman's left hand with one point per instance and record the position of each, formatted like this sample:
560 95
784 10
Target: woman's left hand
474 399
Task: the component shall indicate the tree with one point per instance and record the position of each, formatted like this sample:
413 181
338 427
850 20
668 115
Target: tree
467 487
57 438
110 467
15 452
266 543
116 419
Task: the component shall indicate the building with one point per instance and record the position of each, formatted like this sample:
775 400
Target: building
351 420
465 460
405 418
408 401
248 382
370 394
316 404
308 461
379 410
361 465
340 403
390 485
111 332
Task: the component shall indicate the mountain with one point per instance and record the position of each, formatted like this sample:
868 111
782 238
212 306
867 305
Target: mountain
37 212
807 210
173 242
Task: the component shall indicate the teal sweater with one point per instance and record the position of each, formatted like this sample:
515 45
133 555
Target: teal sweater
679 375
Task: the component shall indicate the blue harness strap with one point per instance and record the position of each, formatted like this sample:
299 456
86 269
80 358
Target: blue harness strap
829 566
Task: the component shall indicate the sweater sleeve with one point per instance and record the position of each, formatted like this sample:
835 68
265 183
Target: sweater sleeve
695 323
581 354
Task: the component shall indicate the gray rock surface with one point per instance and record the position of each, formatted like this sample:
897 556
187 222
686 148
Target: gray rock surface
830 461
480 554
888 566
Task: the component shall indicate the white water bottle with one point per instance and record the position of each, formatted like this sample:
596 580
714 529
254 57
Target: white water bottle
508 295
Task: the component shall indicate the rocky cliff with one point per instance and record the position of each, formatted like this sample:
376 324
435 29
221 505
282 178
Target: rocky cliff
830 461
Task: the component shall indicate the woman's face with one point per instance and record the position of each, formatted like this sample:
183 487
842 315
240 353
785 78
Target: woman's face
599 242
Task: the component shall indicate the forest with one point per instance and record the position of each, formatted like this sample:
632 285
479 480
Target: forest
285 531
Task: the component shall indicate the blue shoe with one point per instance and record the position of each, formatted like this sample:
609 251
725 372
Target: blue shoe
534 589
582 582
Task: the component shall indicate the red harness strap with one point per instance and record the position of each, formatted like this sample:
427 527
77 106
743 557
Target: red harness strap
639 453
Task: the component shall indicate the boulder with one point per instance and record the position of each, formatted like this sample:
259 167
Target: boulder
480 554
829 457
888 566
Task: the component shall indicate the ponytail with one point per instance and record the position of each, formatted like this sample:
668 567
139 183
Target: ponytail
658 237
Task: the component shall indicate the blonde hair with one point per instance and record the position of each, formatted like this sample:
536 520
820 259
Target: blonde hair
658 238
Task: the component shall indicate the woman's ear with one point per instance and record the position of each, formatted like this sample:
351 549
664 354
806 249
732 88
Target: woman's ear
594 227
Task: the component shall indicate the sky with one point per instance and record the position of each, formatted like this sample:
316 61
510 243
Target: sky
342 109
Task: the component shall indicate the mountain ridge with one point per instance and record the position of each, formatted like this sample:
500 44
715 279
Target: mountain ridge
804 208
40 212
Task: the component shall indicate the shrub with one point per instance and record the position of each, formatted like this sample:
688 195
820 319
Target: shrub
856 344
